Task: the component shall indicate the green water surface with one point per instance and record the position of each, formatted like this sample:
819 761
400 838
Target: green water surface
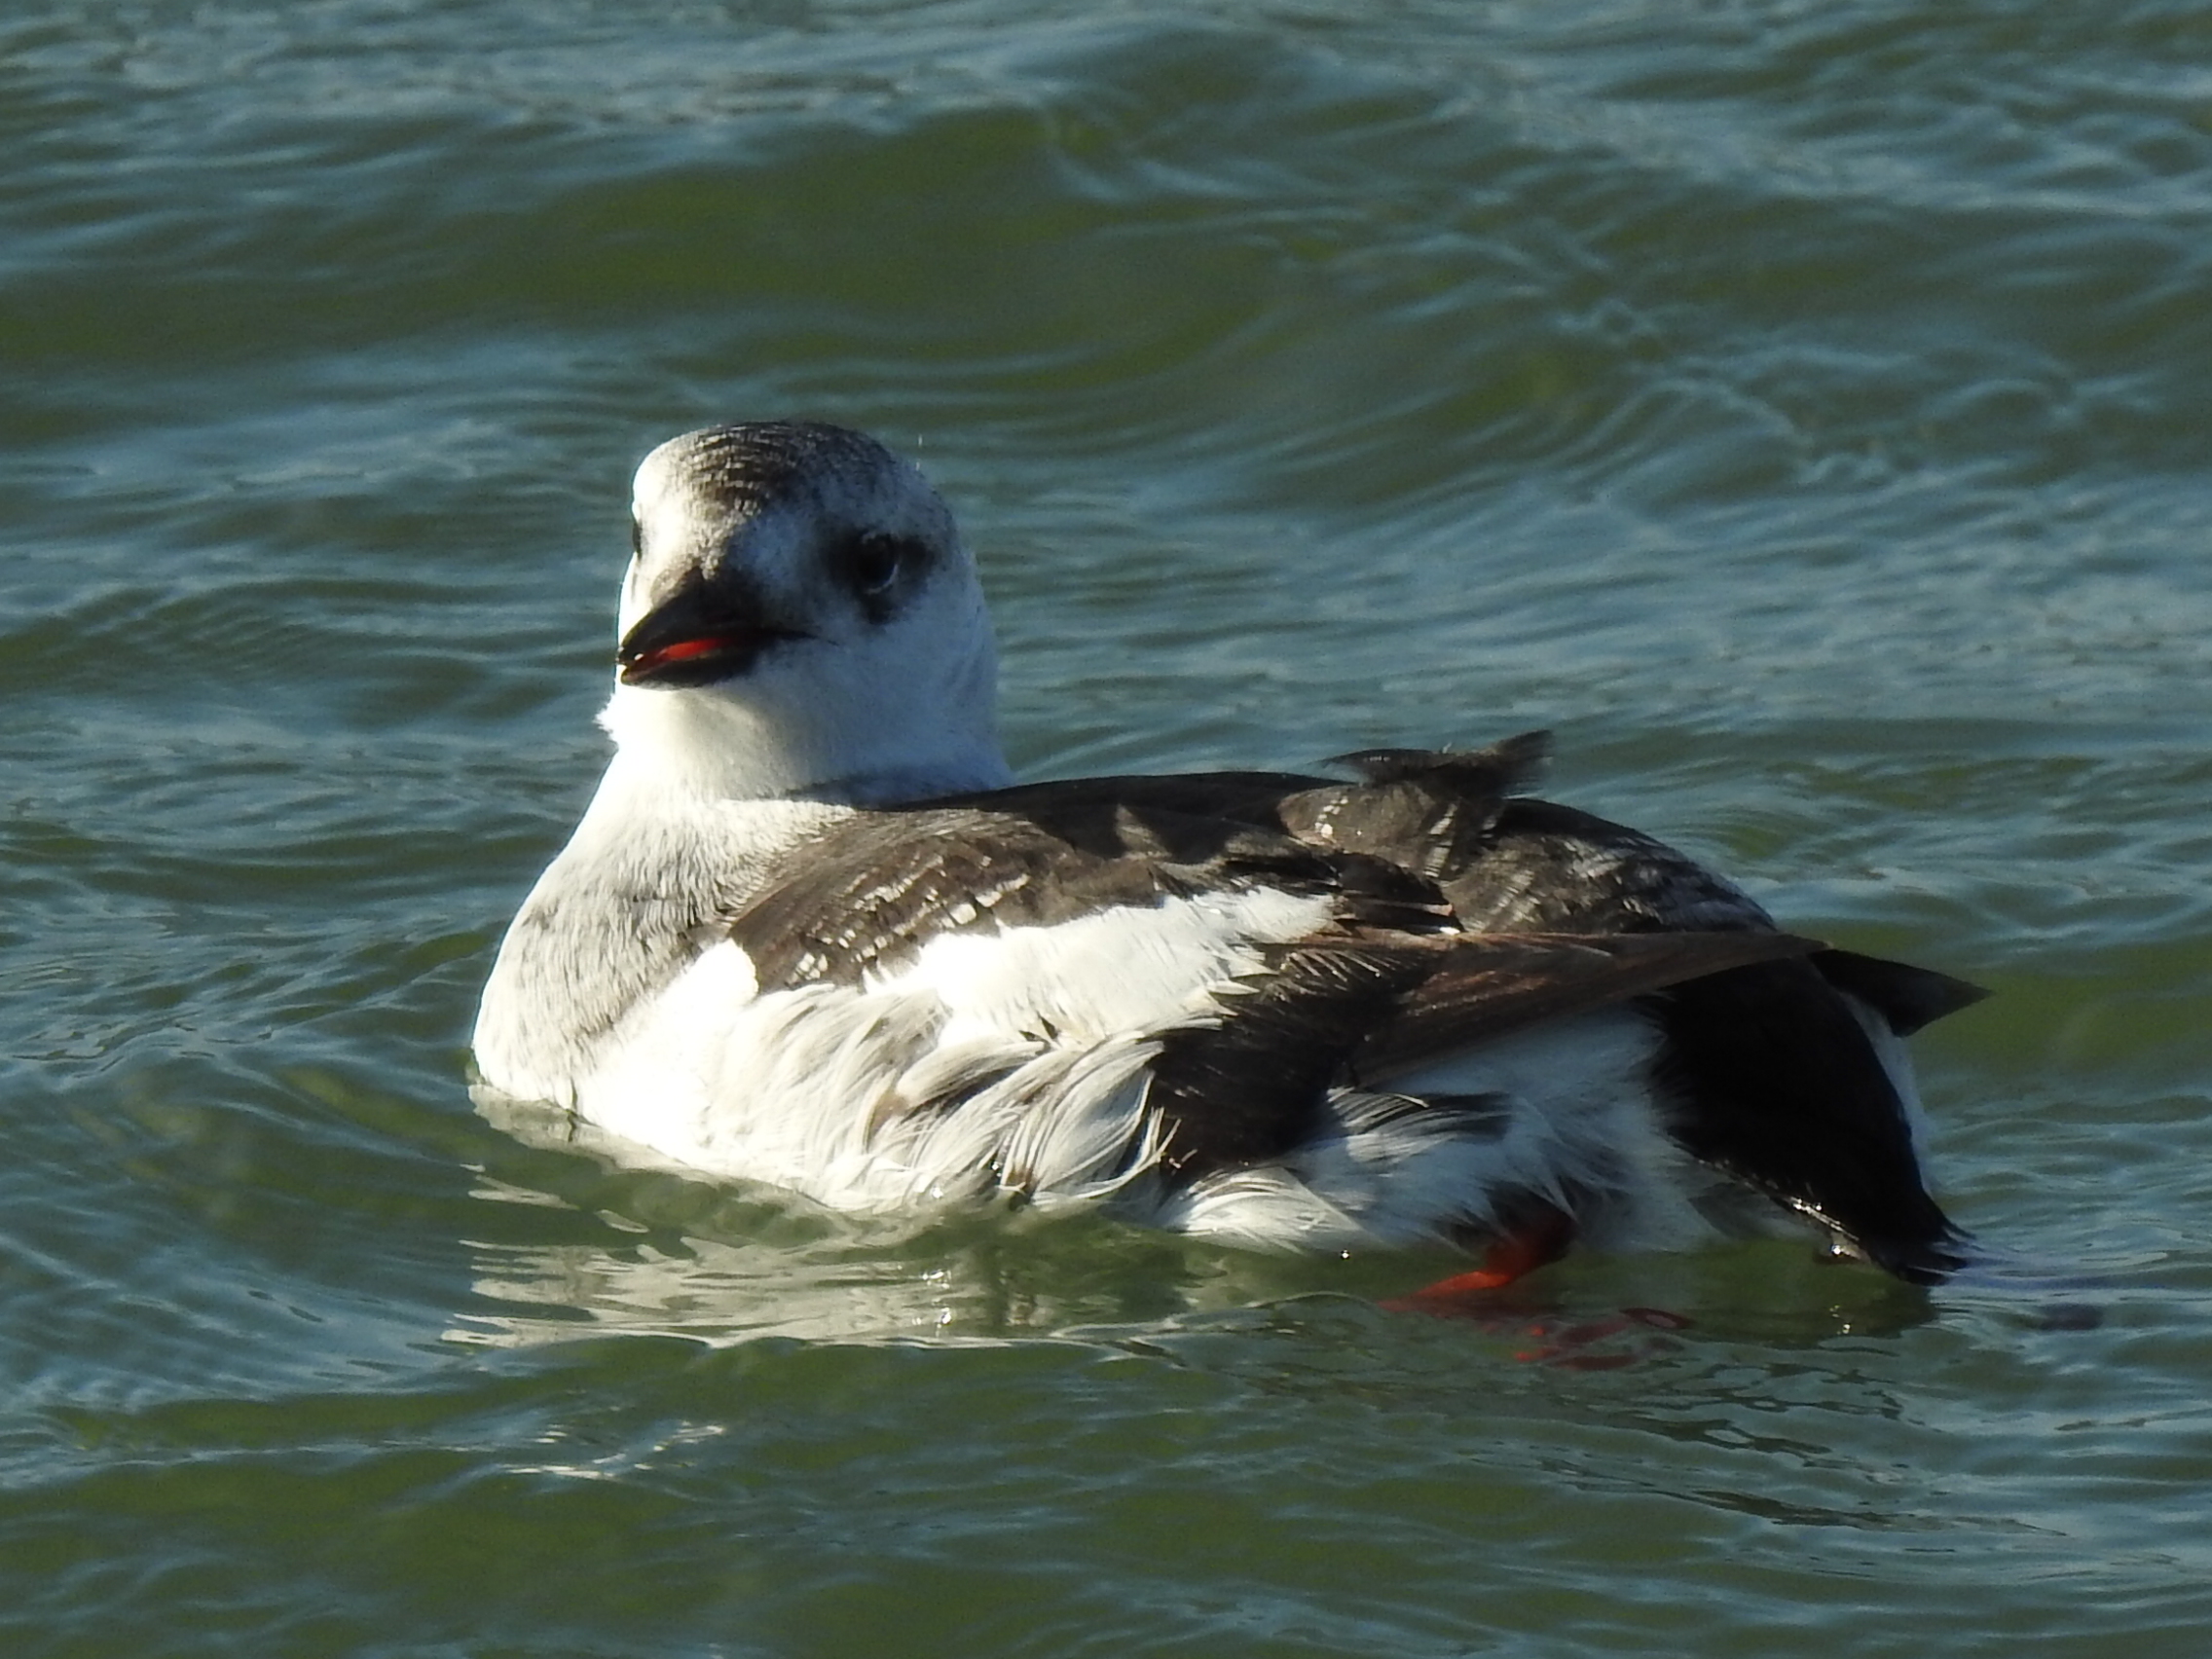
1802 408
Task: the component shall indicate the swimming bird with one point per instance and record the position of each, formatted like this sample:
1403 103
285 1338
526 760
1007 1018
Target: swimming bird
811 932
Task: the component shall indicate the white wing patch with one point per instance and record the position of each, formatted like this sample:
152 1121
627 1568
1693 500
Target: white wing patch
1116 973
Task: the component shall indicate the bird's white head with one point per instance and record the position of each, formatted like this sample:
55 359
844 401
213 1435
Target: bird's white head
801 618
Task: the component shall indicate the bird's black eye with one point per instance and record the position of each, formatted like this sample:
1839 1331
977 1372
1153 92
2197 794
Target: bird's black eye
871 562
636 540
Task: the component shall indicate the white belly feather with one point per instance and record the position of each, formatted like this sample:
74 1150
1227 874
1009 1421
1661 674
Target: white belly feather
1052 1029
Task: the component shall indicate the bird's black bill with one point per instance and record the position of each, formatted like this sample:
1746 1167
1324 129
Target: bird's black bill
690 642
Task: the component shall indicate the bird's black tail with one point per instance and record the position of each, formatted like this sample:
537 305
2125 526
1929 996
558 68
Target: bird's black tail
1768 1076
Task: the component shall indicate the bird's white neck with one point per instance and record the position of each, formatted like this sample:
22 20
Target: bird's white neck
694 749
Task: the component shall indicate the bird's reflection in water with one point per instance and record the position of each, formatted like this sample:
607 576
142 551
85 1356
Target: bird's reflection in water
578 1242
596 1245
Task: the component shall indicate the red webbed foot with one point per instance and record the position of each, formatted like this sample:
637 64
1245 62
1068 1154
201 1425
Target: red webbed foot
1538 1239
